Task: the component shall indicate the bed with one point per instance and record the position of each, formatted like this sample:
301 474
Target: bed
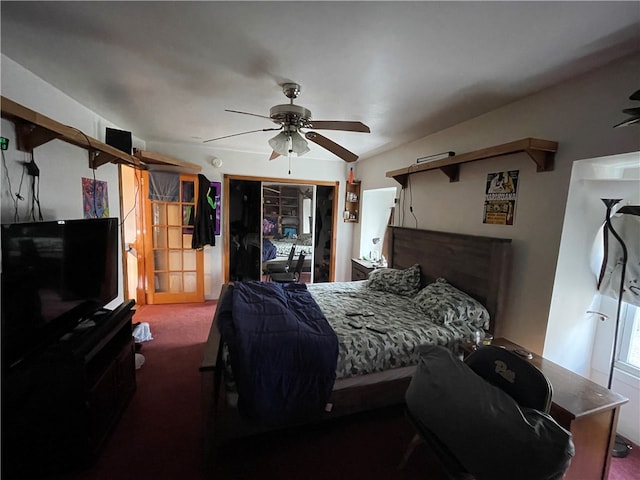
477 266
279 250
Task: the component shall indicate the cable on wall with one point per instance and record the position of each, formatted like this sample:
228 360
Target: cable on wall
402 202
34 172
135 201
15 196
411 199
91 158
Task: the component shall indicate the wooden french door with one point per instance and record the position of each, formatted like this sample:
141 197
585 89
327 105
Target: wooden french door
171 271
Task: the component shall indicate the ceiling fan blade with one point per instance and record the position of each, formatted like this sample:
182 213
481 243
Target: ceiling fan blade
632 111
243 133
340 125
274 155
629 121
332 146
246 113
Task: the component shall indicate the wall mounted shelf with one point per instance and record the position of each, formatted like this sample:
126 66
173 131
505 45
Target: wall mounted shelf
152 160
542 152
352 202
34 129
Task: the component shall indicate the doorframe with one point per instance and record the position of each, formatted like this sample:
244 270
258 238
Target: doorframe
225 215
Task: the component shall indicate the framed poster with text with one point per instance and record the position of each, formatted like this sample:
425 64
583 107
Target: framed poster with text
500 198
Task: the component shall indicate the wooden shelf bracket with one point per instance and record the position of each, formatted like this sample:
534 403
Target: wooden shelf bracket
542 152
34 129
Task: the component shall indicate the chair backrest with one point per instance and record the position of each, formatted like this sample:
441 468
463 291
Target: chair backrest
518 377
292 253
299 265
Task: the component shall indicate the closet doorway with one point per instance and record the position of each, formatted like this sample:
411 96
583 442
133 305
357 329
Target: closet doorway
287 227
265 217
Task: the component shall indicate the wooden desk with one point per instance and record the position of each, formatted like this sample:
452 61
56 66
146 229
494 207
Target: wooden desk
587 410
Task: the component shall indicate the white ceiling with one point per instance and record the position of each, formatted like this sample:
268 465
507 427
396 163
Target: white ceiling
168 70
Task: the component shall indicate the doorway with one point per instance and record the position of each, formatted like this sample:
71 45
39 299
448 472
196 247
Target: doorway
261 214
287 226
160 266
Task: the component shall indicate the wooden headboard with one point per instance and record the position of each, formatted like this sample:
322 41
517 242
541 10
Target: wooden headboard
479 266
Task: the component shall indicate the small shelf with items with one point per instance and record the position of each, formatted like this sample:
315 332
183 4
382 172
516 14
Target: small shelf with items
352 202
281 207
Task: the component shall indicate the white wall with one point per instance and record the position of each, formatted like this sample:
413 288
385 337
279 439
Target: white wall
579 340
62 165
579 115
376 208
575 291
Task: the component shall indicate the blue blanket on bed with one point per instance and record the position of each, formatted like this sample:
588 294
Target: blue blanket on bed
269 250
283 351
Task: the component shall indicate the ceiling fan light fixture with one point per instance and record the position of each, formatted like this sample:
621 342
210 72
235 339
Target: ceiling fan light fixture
286 143
280 144
299 145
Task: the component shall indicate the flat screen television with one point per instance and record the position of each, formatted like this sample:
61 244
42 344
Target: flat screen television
54 274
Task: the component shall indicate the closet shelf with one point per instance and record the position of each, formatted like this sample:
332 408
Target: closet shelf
34 129
542 152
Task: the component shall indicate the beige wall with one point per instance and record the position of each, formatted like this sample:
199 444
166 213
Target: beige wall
579 115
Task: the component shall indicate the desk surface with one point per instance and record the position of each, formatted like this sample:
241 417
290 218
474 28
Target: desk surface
576 395
365 263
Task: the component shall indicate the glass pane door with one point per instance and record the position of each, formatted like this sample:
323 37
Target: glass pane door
174 269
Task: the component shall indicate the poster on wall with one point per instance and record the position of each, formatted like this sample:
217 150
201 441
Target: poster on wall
214 195
500 198
95 198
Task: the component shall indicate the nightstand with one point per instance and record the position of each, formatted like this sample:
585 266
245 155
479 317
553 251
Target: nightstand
360 269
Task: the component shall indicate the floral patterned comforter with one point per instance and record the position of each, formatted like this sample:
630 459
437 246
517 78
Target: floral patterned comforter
364 350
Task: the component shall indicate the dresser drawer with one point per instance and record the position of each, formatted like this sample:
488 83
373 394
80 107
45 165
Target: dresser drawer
360 269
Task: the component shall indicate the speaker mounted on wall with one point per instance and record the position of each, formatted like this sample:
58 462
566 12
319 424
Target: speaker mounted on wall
119 139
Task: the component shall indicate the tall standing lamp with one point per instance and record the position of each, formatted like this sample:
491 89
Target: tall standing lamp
621 447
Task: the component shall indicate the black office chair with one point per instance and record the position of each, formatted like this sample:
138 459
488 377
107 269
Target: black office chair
474 429
513 374
280 267
290 276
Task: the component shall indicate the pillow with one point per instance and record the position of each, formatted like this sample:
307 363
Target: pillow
445 304
483 426
401 282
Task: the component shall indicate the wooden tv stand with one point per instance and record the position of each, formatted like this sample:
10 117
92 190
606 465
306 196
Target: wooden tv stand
59 405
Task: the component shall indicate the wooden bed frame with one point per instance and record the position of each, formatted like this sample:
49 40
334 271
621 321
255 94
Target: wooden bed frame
477 265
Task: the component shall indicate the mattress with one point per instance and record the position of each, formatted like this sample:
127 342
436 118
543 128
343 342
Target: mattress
389 339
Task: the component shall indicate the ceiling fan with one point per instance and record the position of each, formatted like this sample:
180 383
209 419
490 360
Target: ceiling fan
634 112
292 118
